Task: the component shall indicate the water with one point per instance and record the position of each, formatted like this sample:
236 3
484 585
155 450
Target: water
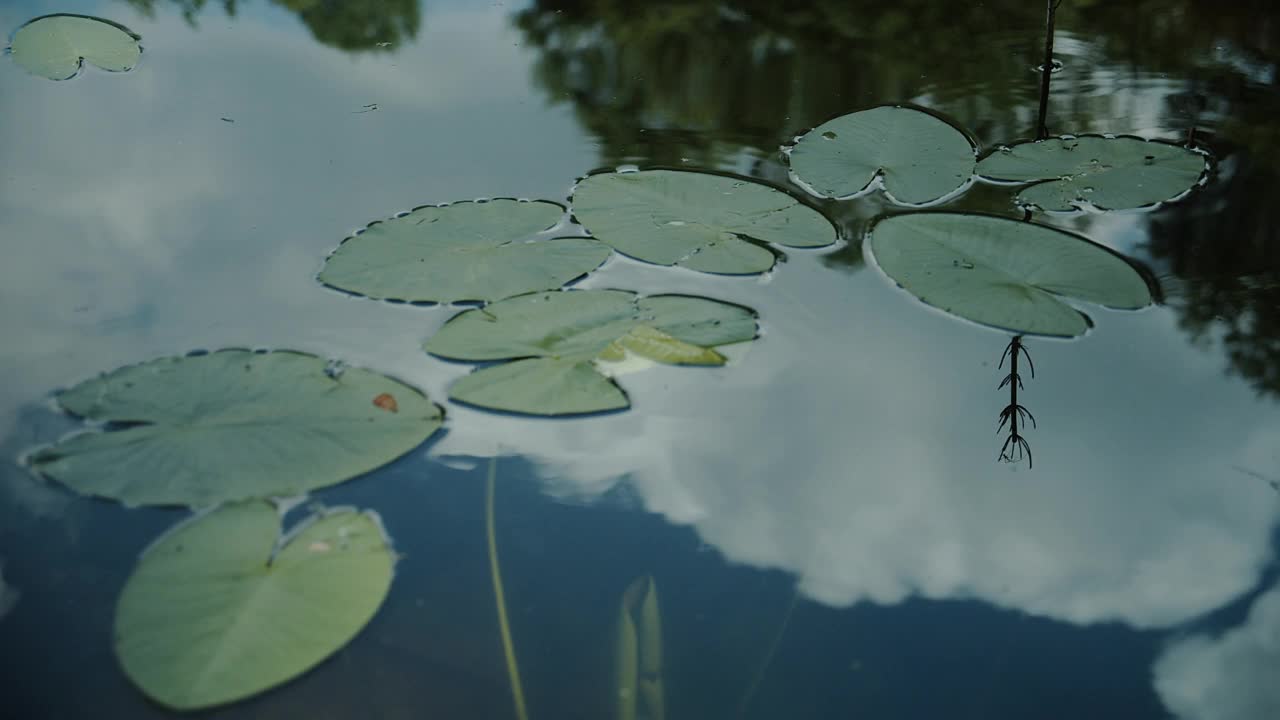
848 455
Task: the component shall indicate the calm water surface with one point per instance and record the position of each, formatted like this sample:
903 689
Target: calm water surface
832 495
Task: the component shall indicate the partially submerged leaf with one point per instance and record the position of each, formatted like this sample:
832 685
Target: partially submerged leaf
654 344
921 158
1003 272
555 337
233 425
704 222
463 251
218 610
55 45
1108 173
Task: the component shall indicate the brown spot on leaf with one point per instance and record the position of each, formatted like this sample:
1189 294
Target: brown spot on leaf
387 402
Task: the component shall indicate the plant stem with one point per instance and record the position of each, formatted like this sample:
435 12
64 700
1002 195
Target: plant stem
1046 70
768 656
508 649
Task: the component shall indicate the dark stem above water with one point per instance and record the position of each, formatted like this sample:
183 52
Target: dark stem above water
1046 70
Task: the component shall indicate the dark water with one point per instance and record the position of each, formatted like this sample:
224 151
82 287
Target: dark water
849 455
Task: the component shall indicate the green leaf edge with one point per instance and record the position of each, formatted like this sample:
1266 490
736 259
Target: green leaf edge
564 219
1210 162
1153 286
32 456
779 255
80 65
755 314
877 181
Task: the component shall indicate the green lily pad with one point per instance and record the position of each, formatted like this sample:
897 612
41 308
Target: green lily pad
1002 272
54 46
704 222
233 425
1108 173
556 337
463 251
921 159
222 607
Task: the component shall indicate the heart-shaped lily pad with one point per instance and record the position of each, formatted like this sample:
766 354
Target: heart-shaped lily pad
222 607
920 158
463 251
54 46
701 221
233 425
555 337
1002 272
1115 173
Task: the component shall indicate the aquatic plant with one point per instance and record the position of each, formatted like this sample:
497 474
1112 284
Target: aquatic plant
554 341
57 46
464 251
701 221
223 607
916 157
1015 447
1002 272
233 425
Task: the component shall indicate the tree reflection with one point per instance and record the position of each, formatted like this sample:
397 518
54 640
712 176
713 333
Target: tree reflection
719 84
353 25
1224 253
689 81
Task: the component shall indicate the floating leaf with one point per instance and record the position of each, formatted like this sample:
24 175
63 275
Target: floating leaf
1003 272
1108 173
54 46
704 222
921 158
232 425
556 337
462 251
222 607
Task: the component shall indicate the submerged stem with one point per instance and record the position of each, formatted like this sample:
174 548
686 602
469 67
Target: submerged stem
768 656
504 627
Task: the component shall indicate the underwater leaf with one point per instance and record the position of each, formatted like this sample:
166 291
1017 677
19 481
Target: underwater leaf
638 653
218 610
233 425
463 251
1109 173
701 221
921 158
1003 272
54 46
555 337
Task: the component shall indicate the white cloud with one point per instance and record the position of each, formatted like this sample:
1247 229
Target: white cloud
854 446
1234 676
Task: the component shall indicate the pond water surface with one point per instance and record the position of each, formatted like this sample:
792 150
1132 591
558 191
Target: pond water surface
825 519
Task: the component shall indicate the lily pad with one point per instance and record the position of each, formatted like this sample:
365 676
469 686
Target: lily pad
463 251
556 337
1002 272
704 222
55 46
233 425
921 159
222 607
1116 173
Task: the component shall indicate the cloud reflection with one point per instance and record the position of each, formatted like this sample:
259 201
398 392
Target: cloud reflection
1228 677
847 448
